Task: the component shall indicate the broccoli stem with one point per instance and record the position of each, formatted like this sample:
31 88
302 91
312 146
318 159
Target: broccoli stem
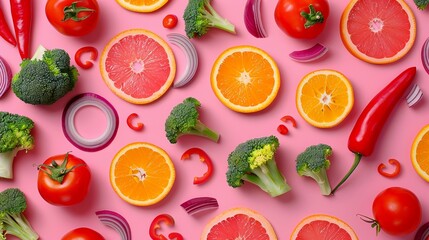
216 20
17 225
6 163
321 177
202 130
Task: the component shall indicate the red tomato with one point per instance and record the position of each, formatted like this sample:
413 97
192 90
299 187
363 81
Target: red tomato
63 180
82 233
169 21
397 210
71 17
288 16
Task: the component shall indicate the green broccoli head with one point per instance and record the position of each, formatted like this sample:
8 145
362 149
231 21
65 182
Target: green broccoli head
184 120
200 16
15 135
12 218
313 162
254 161
45 80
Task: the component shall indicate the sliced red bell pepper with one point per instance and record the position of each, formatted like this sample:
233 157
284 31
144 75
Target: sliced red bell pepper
288 118
93 56
5 32
22 21
130 124
395 163
156 224
204 158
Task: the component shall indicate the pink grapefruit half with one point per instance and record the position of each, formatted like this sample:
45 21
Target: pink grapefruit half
138 66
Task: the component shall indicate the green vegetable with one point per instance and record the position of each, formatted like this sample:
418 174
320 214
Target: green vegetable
253 161
45 78
12 219
421 4
15 135
184 120
313 163
200 16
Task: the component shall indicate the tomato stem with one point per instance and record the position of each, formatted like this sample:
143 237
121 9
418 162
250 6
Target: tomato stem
374 223
72 12
313 17
57 172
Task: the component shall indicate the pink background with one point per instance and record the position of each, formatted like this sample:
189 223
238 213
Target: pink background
284 212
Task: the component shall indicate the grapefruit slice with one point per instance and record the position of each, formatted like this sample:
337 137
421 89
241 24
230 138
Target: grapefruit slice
138 66
239 223
323 227
378 31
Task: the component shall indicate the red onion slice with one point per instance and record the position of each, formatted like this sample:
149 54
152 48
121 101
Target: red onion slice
425 55
414 96
69 128
253 18
5 76
199 204
310 54
191 55
116 221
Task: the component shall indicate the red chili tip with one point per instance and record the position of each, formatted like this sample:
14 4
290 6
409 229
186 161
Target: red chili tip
282 129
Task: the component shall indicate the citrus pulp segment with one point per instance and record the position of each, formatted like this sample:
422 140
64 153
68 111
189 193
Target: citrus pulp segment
138 66
420 153
142 5
239 223
142 174
324 98
245 79
378 31
323 227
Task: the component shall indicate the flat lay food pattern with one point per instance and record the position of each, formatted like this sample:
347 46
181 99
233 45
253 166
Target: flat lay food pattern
200 119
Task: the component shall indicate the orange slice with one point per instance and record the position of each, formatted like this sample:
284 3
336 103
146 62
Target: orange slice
138 66
142 5
378 31
239 223
420 153
142 174
245 79
320 227
324 98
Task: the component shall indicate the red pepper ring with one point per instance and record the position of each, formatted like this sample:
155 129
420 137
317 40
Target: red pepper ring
93 56
204 158
290 119
130 124
156 224
395 173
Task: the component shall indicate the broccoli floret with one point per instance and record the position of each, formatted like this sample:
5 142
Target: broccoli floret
313 162
254 161
200 16
12 218
45 78
184 120
421 4
15 135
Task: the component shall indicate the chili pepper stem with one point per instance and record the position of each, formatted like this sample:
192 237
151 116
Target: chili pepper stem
356 162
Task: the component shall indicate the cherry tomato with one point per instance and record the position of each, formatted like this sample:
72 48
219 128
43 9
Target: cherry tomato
71 17
397 211
63 180
303 18
170 21
82 233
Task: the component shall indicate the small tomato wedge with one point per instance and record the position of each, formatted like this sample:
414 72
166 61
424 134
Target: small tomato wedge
71 17
156 224
63 180
304 19
82 233
204 158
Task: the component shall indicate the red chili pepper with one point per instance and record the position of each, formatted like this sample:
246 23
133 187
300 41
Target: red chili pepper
395 173
5 32
288 118
130 124
282 129
22 21
204 158
156 224
367 128
93 56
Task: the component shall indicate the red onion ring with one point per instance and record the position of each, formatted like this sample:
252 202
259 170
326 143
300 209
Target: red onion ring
199 204
5 76
310 54
116 221
425 55
69 128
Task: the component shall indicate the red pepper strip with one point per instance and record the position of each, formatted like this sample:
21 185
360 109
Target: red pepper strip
288 118
22 20
282 129
78 57
130 124
366 131
156 224
204 158
395 173
5 32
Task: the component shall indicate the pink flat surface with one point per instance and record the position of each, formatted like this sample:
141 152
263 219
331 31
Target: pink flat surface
284 212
